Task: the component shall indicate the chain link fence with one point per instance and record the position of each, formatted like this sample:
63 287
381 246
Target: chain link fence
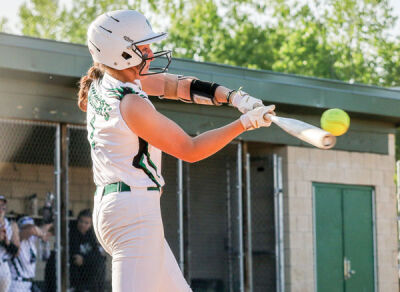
263 227
27 181
89 265
201 209
169 203
213 239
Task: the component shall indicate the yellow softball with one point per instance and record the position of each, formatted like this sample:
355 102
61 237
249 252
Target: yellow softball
335 121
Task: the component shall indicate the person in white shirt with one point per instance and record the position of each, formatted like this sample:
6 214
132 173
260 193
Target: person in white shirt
127 135
9 245
23 265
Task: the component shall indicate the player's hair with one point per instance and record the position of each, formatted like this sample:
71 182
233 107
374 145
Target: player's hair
95 72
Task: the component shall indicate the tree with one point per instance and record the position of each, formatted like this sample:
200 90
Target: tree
340 39
41 18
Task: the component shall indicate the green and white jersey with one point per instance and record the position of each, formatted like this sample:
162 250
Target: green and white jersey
117 153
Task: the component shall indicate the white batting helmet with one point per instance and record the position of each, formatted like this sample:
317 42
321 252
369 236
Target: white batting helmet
113 38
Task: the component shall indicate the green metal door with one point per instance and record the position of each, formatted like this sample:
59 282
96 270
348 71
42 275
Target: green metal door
344 238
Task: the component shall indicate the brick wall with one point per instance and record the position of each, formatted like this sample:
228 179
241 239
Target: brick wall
18 181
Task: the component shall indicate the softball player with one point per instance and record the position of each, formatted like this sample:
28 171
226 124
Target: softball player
127 134
9 245
23 266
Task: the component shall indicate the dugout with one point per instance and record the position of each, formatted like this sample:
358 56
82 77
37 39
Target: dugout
267 213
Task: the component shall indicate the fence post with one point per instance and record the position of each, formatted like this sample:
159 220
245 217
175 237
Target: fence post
247 235
64 206
186 222
180 215
278 210
240 214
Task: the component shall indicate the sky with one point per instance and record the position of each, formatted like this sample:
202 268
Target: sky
9 9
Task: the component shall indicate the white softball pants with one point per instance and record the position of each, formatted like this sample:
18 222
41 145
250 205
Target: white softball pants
5 276
129 227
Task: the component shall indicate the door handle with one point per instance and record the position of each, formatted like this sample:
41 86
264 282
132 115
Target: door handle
348 272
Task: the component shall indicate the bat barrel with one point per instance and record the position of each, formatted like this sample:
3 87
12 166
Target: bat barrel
305 132
328 141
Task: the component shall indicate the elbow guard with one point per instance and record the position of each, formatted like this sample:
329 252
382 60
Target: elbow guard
171 86
203 92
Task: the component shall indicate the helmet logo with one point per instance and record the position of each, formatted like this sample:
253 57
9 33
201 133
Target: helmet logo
128 39
147 21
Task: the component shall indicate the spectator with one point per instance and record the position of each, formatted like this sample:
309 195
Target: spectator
9 245
23 265
87 261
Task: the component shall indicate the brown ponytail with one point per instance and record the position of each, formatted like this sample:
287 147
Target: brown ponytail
95 72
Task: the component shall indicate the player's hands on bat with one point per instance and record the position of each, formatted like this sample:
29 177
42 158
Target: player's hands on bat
257 117
244 102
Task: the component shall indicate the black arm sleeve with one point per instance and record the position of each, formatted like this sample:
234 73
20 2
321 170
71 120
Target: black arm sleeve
202 92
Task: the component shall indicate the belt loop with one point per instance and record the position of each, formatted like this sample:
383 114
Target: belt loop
119 187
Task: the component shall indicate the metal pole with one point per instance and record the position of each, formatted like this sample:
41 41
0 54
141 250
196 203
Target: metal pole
186 222
281 234
276 218
58 207
229 224
180 215
240 216
249 247
278 214
64 206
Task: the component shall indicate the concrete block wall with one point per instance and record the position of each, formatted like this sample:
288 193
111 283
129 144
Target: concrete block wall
18 181
303 166
81 189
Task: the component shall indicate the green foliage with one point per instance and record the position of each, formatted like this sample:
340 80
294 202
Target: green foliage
41 18
82 13
340 39
3 24
47 19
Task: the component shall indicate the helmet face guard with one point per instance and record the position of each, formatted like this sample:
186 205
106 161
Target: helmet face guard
152 70
156 70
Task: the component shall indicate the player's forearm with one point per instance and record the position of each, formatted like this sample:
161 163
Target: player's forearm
210 142
170 86
183 92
